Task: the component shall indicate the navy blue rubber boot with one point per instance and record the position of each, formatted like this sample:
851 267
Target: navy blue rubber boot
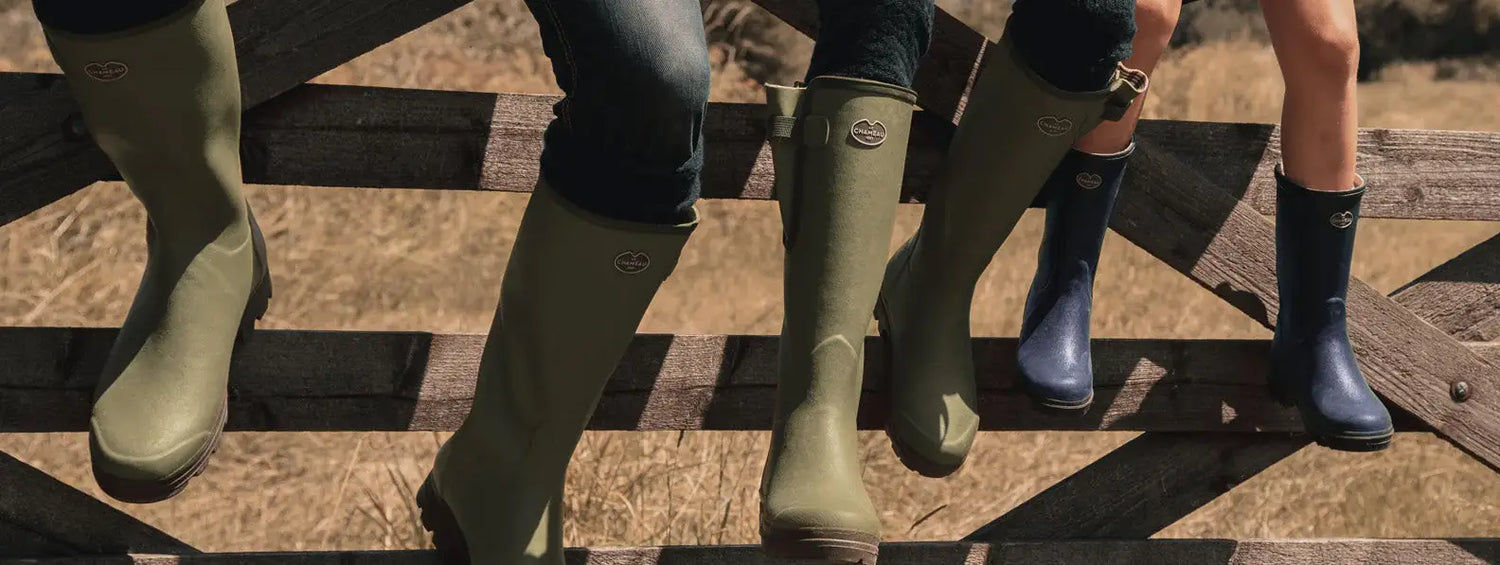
1056 368
1312 363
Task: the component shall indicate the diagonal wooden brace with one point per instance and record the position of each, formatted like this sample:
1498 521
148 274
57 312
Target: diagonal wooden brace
1220 242
41 516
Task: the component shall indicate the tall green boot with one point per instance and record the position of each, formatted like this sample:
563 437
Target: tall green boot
1013 133
839 148
163 101
575 289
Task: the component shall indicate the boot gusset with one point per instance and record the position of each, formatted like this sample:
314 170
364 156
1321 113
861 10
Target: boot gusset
1312 363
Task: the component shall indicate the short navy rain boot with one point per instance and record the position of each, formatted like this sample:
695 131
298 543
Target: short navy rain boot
1312 363
1056 368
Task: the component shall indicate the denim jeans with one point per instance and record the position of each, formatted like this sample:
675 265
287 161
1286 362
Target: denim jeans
627 140
1073 44
103 16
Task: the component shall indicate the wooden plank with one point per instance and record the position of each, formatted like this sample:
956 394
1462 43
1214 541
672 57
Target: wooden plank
1143 486
1414 174
1461 296
280 44
41 516
1221 243
394 138
1092 552
330 381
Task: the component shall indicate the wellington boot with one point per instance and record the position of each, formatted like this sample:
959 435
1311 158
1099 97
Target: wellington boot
1312 363
839 147
575 289
1013 133
1054 357
163 101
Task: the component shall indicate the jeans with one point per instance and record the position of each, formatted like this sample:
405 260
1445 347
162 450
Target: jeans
104 16
627 141
1073 44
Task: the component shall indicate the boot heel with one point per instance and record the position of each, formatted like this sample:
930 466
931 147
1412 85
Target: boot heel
438 519
255 309
826 545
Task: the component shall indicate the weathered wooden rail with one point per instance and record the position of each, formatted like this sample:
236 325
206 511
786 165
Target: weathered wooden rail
1196 198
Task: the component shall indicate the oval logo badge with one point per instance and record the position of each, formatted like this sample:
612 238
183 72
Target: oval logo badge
1054 125
632 262
868 133
1089 181
107 71
1342 220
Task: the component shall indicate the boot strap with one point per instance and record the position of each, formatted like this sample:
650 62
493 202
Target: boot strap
816 130
1128 84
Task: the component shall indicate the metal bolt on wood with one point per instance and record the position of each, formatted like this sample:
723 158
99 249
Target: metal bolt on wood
1459 391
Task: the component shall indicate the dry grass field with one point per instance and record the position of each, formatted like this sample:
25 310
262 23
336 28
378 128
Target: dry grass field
412 260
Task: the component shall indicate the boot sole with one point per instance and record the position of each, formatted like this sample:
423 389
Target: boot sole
829 545
137 491
438 519
904 453
1356 442
1064 407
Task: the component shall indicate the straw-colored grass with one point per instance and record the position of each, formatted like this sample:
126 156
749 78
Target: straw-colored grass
358 259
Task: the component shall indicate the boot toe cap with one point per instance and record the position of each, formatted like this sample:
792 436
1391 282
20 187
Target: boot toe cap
1057 384
1365 419
118 451
809 517
942 442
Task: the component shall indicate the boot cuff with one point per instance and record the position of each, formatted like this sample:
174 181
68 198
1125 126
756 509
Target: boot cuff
1285 186
1122 90
864 86
544 190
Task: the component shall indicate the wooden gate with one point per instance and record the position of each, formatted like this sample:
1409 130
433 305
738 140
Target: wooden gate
1196 197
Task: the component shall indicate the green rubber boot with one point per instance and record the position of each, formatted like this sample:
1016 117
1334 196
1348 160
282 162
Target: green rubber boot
163 101
575 289
839 148
1013 133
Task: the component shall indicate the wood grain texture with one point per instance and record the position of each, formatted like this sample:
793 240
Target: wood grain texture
331 381
280 44
1143 486
1220 242
320 135
41 516
1462 296
1093 552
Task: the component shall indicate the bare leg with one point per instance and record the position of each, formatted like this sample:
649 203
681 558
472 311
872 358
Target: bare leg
1154 20
1317 45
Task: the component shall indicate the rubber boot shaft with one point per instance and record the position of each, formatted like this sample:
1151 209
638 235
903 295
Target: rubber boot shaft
575 289
840 151
163 102
1012 135
1312 362
1054 357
